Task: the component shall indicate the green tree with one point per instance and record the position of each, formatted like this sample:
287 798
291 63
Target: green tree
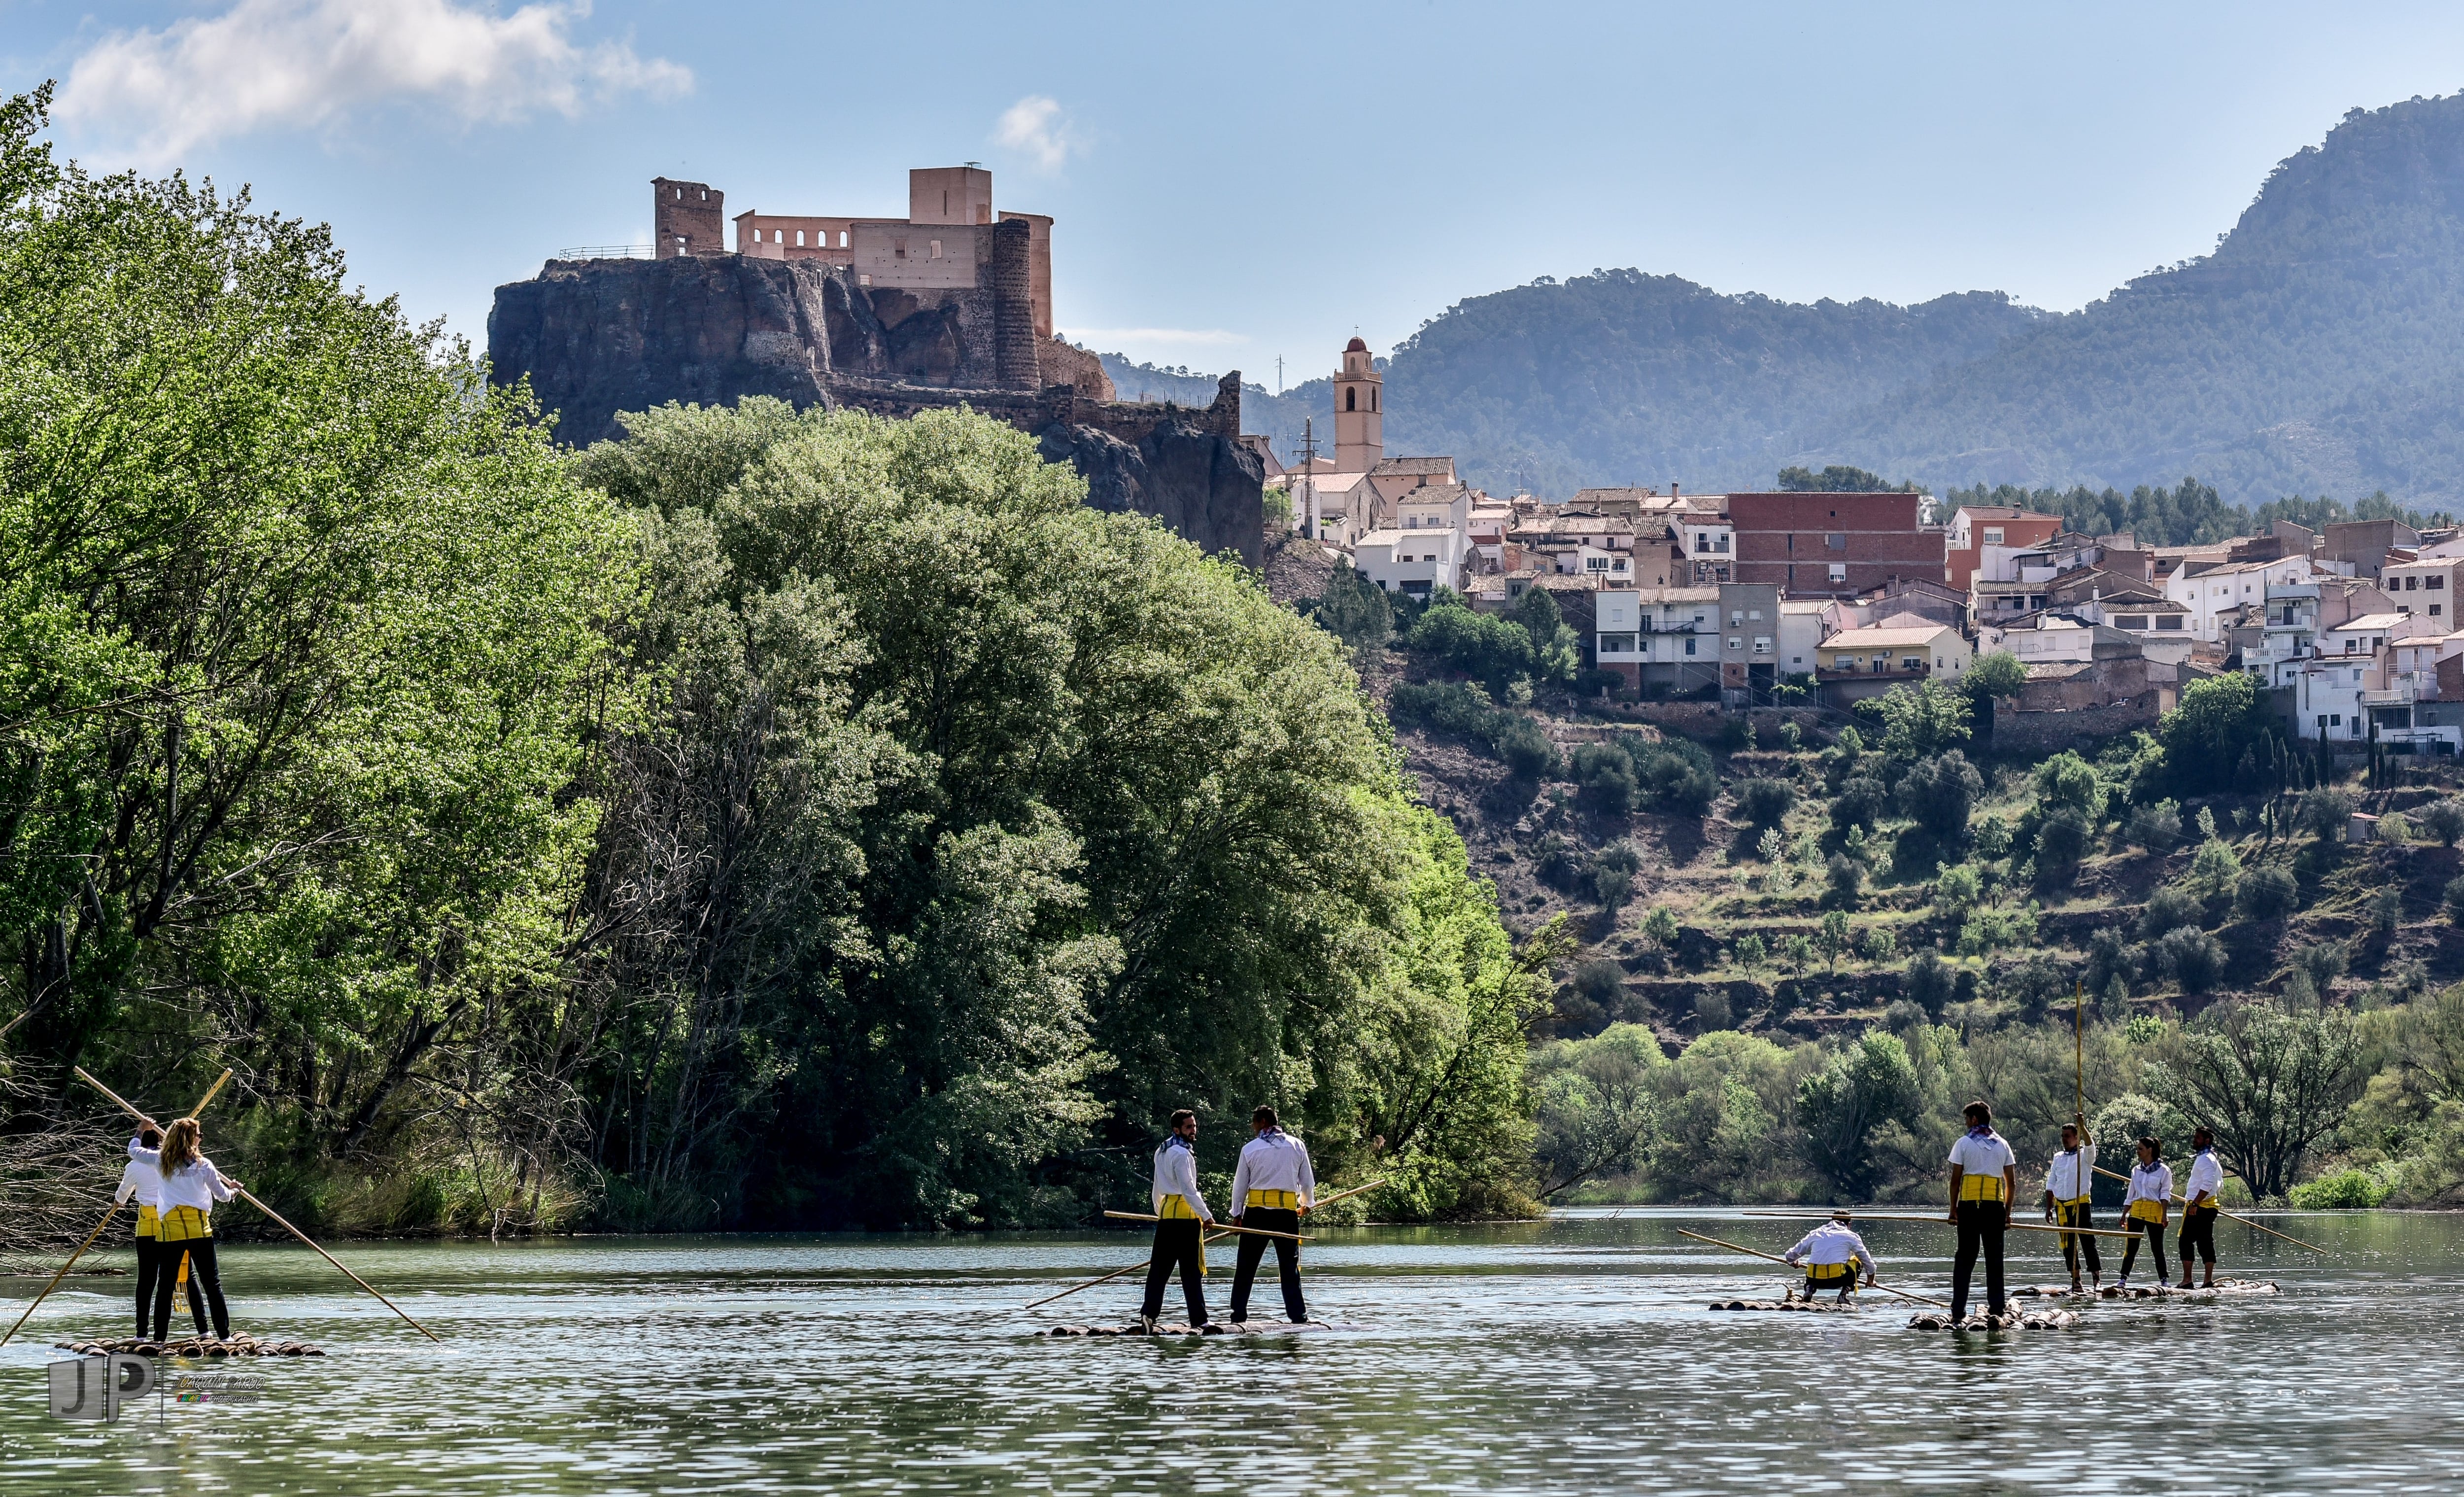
1356 609
1832 937
2219 720
1596 1107
1494 650
1996 672
2272 1085
1555 653
1858 1092
2214 870
2068 781
1937 794
1919 720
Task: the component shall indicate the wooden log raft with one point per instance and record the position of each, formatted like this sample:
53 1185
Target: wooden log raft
2224 1289
1801 1306
1213 1328
241 1345
2012 1320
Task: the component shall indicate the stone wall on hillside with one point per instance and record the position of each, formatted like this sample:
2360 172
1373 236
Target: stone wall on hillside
597 338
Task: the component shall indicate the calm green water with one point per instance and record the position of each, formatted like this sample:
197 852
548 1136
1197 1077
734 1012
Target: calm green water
1571 1356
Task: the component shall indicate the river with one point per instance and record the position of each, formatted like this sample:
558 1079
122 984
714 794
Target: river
1574 1355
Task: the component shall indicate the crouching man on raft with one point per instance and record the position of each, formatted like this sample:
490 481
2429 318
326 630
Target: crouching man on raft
1182 1221
1270 1189
1834 1255
1983 1182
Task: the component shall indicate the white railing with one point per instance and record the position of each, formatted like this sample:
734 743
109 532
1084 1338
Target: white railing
609 252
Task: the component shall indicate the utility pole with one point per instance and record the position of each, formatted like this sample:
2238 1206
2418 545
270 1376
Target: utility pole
1309 474
1279 374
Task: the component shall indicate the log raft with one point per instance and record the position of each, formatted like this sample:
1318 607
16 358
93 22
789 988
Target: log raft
242 1345
1213 1328
1808 1306
2012 1320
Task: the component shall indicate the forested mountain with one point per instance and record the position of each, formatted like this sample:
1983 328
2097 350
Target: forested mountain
2313 352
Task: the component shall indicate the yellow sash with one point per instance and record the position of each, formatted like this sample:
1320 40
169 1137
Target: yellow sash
1273 1200
1974 1186
147 1222
1819 1272
185 1223
2080 1200
1176 1209
2147 1211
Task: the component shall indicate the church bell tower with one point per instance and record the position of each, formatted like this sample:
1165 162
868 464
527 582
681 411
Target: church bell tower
1360 433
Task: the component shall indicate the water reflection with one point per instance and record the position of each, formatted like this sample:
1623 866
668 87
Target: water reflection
1574 1355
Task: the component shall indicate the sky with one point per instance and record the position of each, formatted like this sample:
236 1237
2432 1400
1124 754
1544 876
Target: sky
1235 183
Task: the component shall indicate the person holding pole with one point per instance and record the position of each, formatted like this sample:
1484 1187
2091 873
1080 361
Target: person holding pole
2199 1215
142 1180
2151 1188
2069 1182
1833 1255
1270 1189
190 1187
1182 1221
1984 1186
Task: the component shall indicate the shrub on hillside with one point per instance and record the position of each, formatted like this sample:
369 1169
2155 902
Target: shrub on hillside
1525 747
1765 802
1604 778
2190 957
2167 908
2061 842
2268 893
2156 827
1495 650
1847 879
1859 802
2068 781
2443 819
1928 981
1937 794
1441 707
2345 1190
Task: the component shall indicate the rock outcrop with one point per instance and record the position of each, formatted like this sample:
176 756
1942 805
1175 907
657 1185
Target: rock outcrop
597 338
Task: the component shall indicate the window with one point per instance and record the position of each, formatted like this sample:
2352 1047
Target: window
1689 644
2131 621
1702 542
1595 564
2411 583
843 239
2168 620
1723 546
1992 536
1737 616
1735 643
1755 614
1351 399
2433 610
1912 663
898 249
1616 643
2435 581
1835 541
1762 644
937 251
1838 572
1879 662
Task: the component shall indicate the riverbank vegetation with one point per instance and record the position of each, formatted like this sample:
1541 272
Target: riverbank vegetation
770 820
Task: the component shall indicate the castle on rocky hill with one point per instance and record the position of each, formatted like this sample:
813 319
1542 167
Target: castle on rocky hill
951 305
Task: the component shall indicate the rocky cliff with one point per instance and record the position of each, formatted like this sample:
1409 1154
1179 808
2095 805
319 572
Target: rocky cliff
596 337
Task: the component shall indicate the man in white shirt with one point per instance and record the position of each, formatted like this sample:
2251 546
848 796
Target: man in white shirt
1983 1182
1270 1190
2068 1184
2199 1218
1182 1221
1833 1255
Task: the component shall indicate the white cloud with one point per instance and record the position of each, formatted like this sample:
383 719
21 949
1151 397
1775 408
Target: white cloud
1206 336
158 94
1037 130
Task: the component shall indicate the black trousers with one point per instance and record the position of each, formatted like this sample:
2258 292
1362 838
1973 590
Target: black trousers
2081 1214
1814 1286
2154 1232
153 1263
203 1277
2199 1231
1288 1262
1980 1230
1177 1245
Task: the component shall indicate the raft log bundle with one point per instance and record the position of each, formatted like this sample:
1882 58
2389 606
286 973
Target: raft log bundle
241 1345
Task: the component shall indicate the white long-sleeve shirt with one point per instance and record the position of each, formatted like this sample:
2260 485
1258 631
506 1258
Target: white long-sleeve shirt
2207 1176
1831 1242
1175 1174
2073 1173
197 1183
2151 1182
142 1180
1273 1160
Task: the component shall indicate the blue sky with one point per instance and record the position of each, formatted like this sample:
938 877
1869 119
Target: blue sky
1236 182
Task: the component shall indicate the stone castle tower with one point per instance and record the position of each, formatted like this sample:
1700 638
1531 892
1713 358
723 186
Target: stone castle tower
1359 431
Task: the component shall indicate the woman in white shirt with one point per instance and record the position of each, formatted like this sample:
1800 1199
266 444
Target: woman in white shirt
190 1187
143 1180
2151 1192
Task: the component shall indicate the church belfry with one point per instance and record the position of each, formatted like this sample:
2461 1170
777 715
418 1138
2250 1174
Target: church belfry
1359 431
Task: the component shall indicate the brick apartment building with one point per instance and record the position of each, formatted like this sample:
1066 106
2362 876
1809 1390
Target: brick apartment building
1839 543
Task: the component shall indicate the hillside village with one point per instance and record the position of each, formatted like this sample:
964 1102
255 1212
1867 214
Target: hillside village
1800 768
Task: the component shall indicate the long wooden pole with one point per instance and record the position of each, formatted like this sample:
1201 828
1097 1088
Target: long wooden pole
1245 1231
1219 1233
2015 1226
1778 1259
2078 1046
2228 1216
276 1216
107 1216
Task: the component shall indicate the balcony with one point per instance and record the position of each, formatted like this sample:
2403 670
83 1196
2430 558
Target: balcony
2403 693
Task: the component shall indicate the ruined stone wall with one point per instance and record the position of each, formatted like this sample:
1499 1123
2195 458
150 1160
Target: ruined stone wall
686 218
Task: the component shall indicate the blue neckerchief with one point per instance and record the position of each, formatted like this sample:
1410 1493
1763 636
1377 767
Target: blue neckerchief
1981 1134
1170 1139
